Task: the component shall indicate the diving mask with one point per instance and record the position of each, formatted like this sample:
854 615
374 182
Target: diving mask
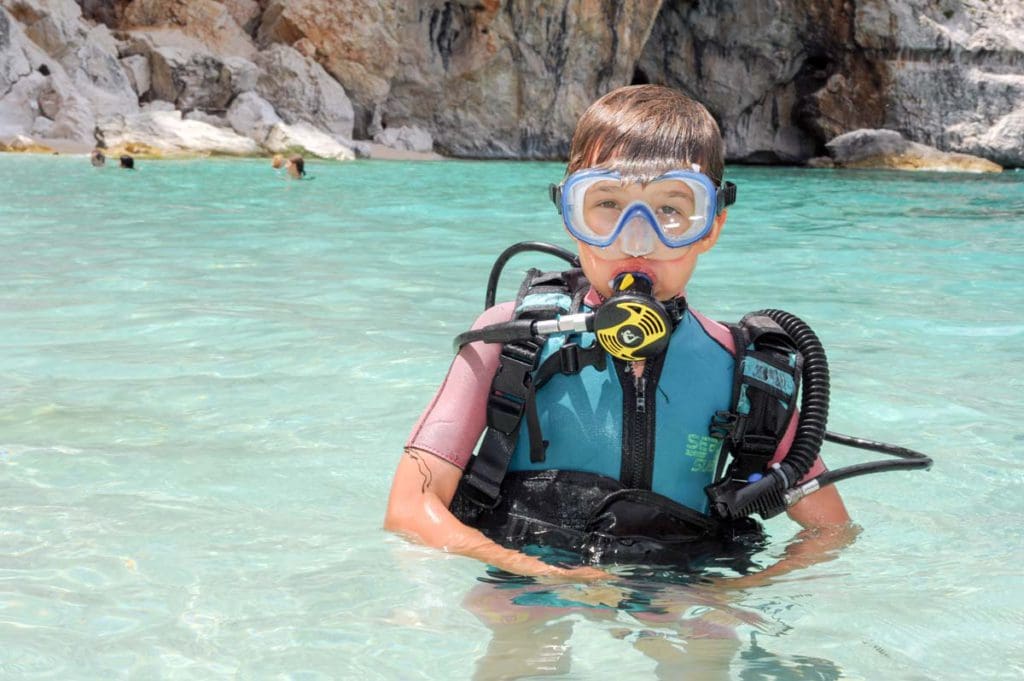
677 208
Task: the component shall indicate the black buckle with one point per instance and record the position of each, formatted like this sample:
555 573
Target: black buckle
504 412
758 445
480 492
727 425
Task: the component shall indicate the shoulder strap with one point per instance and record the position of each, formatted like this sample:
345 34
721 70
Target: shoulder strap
766 382
543 295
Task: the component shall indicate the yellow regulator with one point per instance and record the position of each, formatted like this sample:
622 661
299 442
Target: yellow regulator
632 325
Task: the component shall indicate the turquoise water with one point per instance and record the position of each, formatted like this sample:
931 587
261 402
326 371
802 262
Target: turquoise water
207 374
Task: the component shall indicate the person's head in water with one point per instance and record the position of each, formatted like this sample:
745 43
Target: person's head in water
277 162
641 192
97 158
296 167
128 162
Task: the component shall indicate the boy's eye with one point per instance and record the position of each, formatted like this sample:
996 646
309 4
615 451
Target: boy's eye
669 210
608 203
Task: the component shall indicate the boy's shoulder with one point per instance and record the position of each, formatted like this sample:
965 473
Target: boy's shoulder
716 331
502 312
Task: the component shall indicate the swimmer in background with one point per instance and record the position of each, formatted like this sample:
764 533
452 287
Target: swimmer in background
97 158
296 168
127 162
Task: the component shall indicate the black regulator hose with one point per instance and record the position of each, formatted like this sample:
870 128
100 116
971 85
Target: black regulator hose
767 495
810 432
515 249
779 487
516 329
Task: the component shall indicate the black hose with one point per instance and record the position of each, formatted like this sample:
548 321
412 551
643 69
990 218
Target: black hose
814 401
907 459
502 332
514 249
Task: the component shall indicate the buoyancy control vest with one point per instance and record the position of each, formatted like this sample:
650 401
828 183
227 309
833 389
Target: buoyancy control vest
589 457
516 491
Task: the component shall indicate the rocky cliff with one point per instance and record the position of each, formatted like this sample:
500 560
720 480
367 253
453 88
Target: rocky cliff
508 78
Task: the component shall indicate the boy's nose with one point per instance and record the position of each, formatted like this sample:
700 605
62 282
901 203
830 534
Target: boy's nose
637 237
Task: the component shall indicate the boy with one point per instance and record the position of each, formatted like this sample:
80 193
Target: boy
643 198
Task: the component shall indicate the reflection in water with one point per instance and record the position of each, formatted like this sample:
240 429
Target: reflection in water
761 665
688 628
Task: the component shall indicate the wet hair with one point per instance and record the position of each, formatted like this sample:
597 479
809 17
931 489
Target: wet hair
127 162
643 131
299 164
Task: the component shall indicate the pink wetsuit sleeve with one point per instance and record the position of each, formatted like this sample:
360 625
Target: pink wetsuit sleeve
453 421
817 468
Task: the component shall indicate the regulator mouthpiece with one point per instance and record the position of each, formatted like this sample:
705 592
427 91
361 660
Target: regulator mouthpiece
632 325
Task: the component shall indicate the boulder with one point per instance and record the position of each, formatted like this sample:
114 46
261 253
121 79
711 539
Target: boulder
87 54
191 80
252 116
37 97
889 149
304 139
406 138
168 134
301 91
136 66
24 144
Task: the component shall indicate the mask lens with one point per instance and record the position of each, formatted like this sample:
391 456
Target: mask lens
602 205
678 208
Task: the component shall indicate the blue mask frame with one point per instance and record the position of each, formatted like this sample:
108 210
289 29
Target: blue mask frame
560 193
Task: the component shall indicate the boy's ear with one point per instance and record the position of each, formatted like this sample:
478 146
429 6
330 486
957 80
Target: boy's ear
705 244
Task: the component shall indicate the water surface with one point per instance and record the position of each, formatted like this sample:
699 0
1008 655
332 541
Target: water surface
207 374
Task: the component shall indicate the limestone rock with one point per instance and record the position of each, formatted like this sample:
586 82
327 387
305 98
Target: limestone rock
197 80
889 149
252 116
304 139
23 144
37 97
486 79
209 119
87 54
211 23
246 13
407 138
301 91
166 133
136 66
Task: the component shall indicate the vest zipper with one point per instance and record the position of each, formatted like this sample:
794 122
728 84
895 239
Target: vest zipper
637 468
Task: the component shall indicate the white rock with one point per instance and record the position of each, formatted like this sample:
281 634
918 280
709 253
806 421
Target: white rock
285 138
137 68
252 116
407 138
168 132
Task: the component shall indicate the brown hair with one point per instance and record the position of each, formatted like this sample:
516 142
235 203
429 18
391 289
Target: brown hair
645 130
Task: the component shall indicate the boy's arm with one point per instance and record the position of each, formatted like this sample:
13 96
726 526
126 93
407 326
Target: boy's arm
827 529
421 492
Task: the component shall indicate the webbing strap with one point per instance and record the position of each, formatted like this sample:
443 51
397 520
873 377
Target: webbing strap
765 385
512 395
511 398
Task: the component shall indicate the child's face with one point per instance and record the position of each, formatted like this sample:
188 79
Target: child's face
669 268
